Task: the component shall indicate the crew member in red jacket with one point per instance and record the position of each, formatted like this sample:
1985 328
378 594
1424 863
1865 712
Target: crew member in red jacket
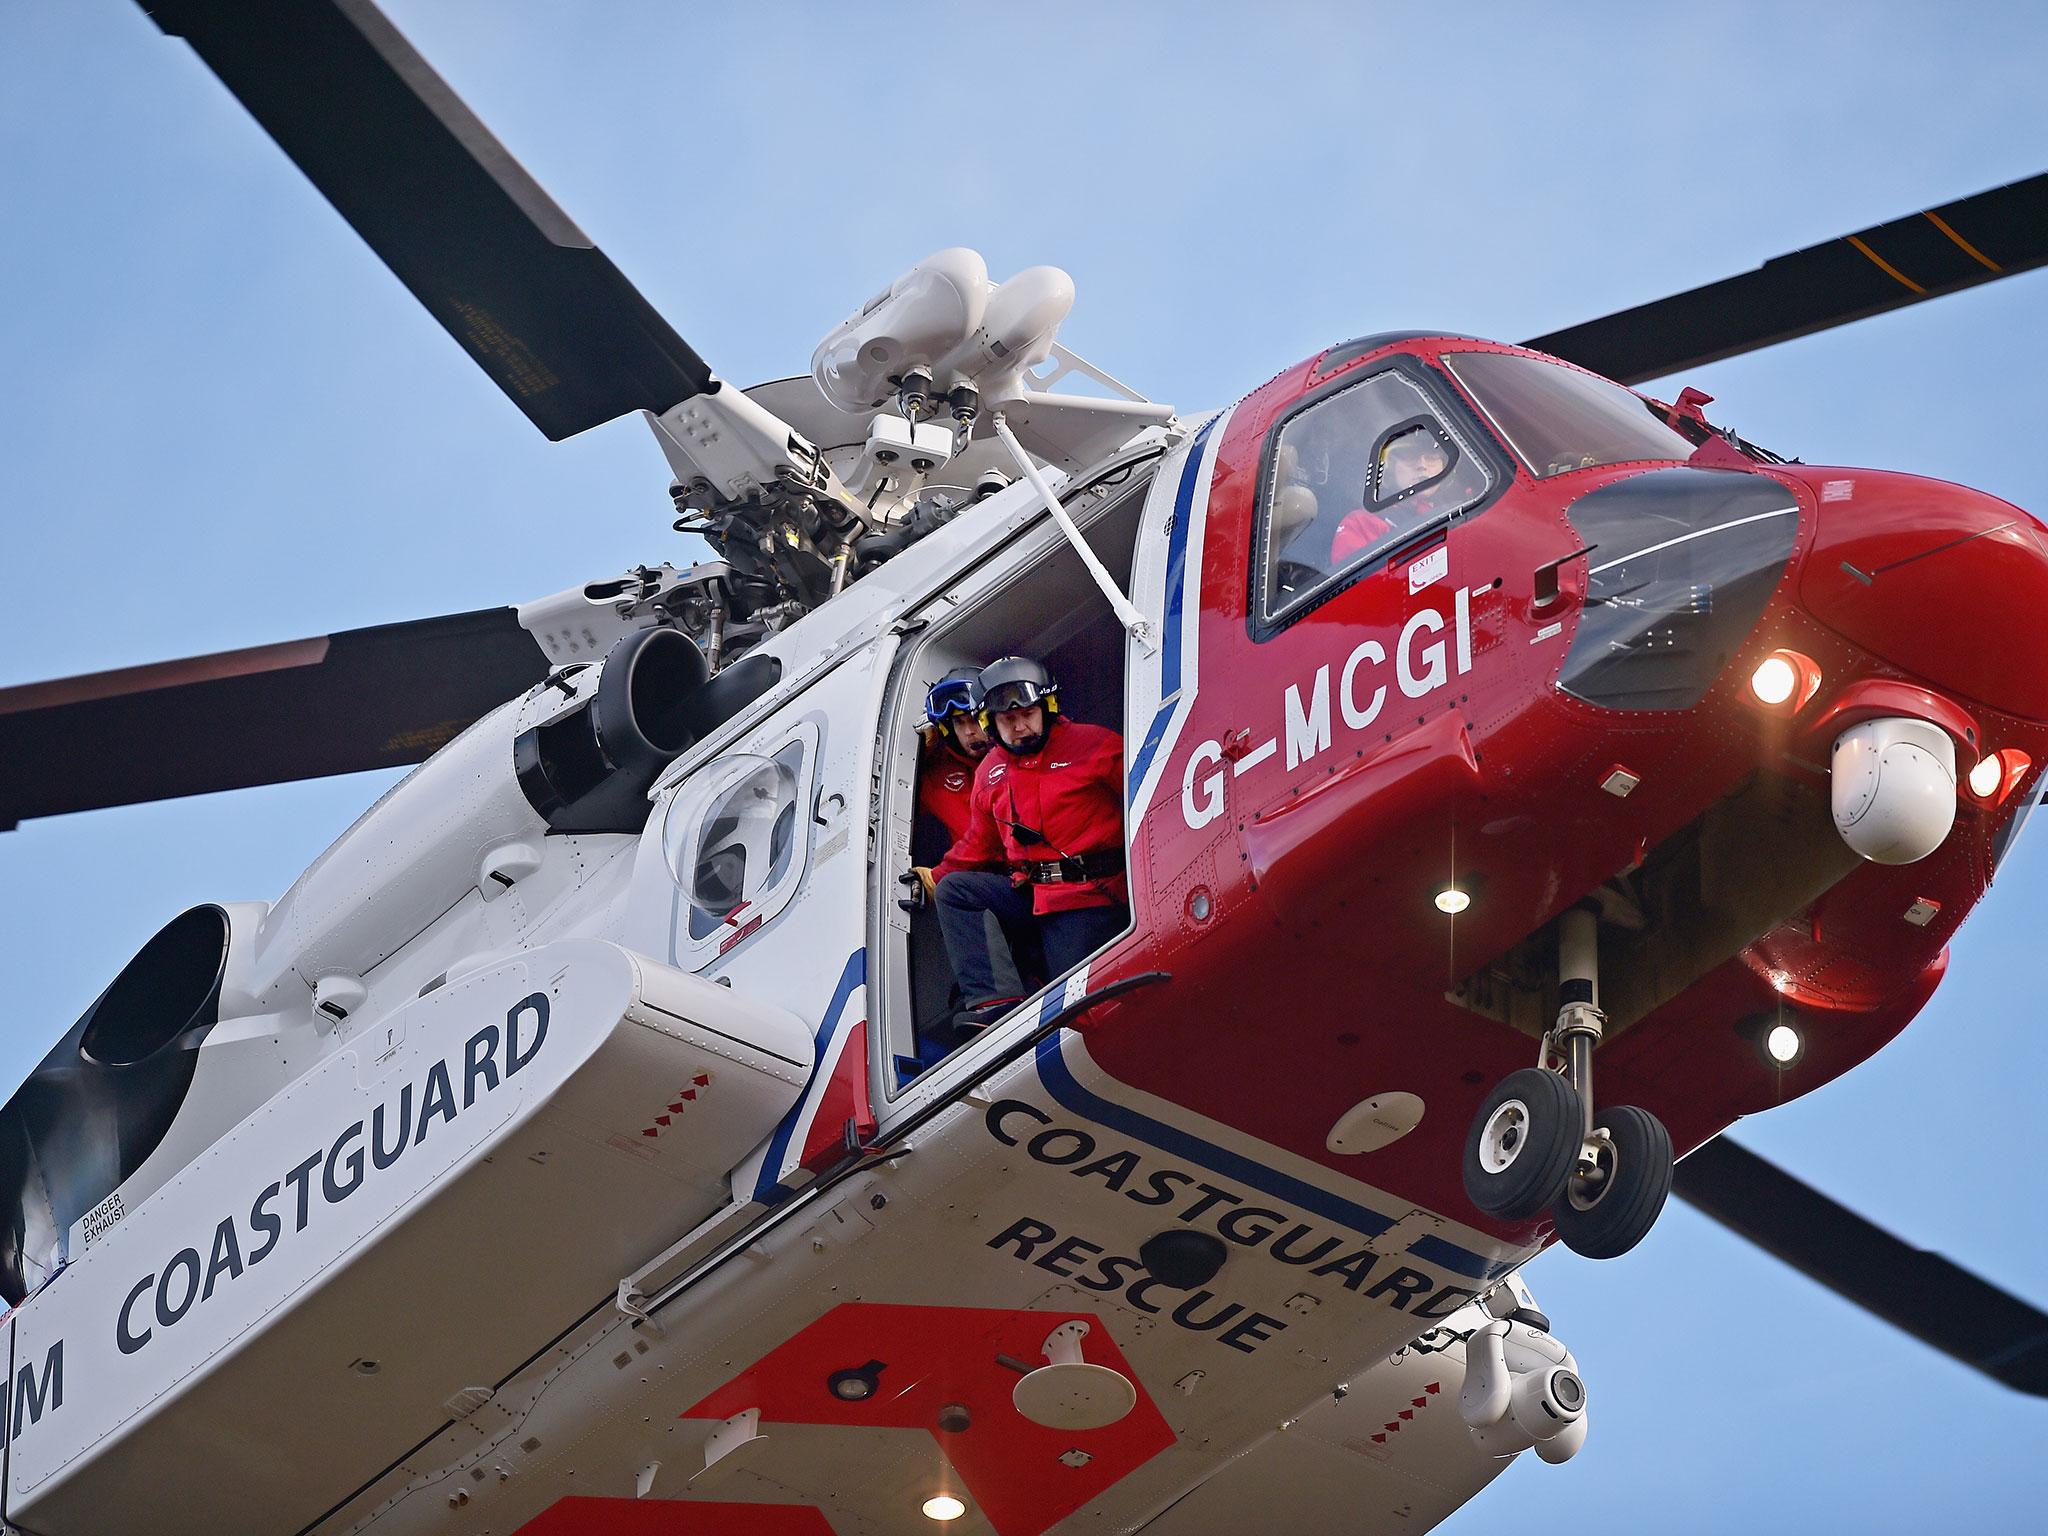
1044 840
955 742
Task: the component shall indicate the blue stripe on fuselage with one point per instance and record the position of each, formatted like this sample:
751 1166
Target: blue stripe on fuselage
1176 612
768 1188
1061 1083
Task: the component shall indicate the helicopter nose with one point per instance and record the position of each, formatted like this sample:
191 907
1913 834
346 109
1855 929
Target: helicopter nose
1947 583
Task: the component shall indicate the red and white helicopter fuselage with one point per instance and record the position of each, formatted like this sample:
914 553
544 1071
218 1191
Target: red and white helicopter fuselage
520 1186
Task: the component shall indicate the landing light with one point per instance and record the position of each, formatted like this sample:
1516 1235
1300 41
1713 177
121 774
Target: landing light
1775 680
1783 1045
857 1383
1451 901
1995 776
944 1506
1785 680
1778 1036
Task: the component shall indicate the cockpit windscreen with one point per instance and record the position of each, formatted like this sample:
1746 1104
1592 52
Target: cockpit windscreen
1557 419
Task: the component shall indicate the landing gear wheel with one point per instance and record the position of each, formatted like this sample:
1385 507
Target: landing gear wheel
1523 1141
1605 1217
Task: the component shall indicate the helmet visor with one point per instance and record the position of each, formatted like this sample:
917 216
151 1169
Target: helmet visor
952 696
1021 694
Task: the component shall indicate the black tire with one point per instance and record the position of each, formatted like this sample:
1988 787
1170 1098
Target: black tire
1520 1149
1608 1220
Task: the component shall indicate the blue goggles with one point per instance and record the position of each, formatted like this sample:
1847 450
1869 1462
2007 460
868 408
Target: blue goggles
952 696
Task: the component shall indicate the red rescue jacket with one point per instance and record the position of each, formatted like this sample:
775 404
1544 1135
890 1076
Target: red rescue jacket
945 784
1363 527
1358 529
1072 790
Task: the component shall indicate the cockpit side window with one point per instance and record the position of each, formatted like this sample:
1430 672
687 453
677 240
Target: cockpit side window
1557 419
1351 477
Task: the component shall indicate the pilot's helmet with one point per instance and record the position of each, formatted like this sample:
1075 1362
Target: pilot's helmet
1409 459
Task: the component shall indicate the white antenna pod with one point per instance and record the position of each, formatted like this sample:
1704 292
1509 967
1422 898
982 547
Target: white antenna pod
935 307
1016 333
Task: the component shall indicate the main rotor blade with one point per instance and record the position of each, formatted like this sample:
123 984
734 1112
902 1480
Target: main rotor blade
366 698
1937 1302
1888 266
494 259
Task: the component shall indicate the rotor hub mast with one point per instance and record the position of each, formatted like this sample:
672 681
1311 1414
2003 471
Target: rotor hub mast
897 391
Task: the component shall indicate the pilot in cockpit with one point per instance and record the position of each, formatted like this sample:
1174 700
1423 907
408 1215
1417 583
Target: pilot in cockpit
1347 482
1412 461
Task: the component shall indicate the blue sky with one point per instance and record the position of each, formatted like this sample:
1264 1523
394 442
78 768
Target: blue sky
223 423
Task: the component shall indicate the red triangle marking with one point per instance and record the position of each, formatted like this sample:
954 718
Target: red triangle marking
1379 1439
1433 1388
689 1093
650 1131
1392 1428
702 1079
663 1120
1420 1402
1406 1413
676 1108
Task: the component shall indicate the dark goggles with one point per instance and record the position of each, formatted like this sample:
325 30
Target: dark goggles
952 696
1018 695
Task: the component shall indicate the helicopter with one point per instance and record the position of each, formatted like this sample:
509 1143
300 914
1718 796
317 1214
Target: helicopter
1306 695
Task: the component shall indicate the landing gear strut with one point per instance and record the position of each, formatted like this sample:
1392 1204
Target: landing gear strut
1538 1142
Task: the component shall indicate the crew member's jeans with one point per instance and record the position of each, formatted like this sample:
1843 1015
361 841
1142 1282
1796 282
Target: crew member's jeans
1068 937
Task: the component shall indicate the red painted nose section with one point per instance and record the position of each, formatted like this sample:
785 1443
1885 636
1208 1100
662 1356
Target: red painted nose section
1947 583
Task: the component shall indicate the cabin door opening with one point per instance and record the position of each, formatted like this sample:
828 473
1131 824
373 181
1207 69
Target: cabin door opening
1034 599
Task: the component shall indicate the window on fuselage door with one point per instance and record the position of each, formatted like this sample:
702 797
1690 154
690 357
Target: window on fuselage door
737 841
1350 477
